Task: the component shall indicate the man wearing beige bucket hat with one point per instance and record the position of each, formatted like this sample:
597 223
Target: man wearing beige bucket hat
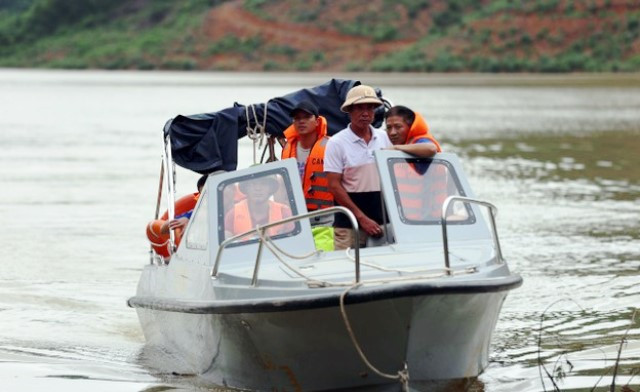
351 169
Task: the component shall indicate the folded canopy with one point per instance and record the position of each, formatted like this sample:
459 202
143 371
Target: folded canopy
209 141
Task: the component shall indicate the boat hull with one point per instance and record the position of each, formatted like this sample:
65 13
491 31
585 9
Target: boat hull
440 337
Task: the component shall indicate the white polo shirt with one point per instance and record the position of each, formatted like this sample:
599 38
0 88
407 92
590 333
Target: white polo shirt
349 154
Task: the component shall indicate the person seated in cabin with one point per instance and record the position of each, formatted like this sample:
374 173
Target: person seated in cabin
158 230
257 208
306 139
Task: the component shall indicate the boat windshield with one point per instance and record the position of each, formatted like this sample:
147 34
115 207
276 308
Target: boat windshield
256 199
421 185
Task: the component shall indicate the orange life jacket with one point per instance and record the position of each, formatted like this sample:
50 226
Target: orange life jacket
415 195
420 130
160 241
419 199
314 183
242 218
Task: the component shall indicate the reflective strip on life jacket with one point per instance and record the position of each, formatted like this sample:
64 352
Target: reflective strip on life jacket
315 188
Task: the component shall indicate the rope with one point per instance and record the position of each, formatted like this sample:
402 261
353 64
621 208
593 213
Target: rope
158 244
289 255
266 239
257 132
271 141
317 283
402 375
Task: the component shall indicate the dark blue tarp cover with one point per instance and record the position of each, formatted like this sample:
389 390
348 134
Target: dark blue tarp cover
209 141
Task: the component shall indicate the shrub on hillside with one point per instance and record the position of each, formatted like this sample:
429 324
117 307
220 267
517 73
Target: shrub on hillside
180 64
45 17
412 60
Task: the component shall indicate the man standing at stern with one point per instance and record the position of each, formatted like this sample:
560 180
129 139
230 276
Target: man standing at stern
351 169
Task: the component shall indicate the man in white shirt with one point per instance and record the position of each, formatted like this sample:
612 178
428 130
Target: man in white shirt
351 168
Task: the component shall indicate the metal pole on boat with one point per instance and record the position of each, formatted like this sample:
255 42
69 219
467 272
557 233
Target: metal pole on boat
159 190
493 211
254 279
168 167
445 239
385 221
356 234
158 204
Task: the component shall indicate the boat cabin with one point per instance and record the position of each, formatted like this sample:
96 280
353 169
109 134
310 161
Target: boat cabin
414 191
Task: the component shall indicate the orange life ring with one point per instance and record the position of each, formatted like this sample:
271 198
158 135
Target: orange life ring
159 241
184 204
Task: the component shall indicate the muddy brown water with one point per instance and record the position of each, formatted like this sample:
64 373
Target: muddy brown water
559 155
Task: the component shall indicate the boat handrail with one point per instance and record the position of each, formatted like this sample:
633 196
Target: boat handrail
260 231
153 257
493 210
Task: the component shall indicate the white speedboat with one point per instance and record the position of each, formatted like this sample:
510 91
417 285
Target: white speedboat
264 310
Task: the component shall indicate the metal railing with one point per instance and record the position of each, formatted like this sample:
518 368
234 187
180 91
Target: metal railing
169 168
153 257
260 231
166 168
493 210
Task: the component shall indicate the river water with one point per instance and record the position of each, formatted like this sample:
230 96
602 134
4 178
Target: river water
558 155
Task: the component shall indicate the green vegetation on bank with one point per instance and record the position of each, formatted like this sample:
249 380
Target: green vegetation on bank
611 45
402 35
109 34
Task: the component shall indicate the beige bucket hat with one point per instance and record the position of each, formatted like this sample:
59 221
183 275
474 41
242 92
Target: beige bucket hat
360 94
